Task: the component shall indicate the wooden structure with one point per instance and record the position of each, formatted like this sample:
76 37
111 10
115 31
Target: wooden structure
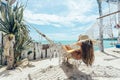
108 14
101 25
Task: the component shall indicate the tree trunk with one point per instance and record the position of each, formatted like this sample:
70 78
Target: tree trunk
9 50
101 26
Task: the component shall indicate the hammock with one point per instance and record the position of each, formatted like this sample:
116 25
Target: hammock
84 52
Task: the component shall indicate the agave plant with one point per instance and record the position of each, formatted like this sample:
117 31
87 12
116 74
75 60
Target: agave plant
23 43
12 24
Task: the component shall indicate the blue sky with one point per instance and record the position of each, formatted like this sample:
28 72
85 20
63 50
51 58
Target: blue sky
61 19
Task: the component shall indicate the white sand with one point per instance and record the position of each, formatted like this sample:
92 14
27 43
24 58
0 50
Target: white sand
106 67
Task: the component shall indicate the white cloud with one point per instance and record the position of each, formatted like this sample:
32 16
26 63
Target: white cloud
54 36
81 28
77 13
45 19
79 7
77 10
62 36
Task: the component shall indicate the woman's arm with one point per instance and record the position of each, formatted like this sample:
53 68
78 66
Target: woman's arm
79 43
73 51
66 47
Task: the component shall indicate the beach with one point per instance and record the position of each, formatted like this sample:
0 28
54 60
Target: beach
59 40
105 67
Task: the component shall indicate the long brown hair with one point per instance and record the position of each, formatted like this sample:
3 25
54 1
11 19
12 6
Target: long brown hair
87 52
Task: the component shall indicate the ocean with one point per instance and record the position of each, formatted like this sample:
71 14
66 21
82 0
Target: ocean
107 43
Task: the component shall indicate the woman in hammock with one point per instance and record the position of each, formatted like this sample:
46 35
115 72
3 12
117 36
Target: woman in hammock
85 51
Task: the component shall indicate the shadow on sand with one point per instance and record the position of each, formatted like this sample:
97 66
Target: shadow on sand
110 55
5 73
114 57
73 73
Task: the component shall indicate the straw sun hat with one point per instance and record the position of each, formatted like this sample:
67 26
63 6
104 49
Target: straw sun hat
83 37
86 37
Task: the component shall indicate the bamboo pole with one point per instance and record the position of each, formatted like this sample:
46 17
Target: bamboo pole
118 5
108 14
101 26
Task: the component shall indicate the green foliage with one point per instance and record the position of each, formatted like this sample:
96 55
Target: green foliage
11 18
11 22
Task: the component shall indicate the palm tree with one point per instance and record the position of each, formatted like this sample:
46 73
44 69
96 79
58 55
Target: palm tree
101 23
16 32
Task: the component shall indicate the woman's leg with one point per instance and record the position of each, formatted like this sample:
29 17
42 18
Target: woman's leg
66 47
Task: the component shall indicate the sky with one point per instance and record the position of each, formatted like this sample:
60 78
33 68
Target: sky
60 19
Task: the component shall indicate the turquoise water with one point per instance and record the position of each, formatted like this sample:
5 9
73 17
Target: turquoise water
107 43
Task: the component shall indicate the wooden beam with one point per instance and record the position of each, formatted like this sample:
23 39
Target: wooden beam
108 14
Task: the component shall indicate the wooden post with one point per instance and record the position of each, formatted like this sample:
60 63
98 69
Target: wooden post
101 26
118 5
1 42
109 14
34 56
2 49
46 53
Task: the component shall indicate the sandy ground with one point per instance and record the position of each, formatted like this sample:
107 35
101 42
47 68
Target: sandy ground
106 67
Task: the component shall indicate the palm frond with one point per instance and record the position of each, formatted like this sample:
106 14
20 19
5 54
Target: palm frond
11 22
